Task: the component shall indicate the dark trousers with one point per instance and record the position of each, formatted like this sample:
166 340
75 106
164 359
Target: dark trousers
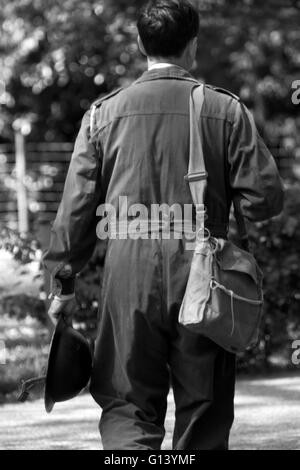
141 349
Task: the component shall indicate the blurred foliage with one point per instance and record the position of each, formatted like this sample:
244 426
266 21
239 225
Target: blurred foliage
24 362
57 57
24 248
27 345
20 306
276 246
21 283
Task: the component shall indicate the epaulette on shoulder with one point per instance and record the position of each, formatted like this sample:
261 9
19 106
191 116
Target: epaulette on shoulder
224 91
99 101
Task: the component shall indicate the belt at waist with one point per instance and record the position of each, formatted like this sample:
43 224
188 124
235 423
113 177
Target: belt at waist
136 226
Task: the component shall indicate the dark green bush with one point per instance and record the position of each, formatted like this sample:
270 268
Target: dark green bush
276 246
24 248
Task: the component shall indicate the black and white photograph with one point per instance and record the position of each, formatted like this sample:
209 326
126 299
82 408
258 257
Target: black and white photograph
150 227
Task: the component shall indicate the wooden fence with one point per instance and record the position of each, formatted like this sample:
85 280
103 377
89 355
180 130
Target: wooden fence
31 181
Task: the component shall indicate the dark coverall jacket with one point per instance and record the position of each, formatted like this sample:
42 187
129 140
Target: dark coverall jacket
135 143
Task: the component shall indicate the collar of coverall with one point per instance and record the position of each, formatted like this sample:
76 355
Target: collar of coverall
171 71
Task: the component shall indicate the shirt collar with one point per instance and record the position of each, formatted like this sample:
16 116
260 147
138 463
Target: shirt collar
160 65
171 72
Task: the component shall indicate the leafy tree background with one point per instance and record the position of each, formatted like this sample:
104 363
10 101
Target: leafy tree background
57 57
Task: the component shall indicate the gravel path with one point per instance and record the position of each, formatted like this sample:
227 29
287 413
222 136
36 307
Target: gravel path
267 417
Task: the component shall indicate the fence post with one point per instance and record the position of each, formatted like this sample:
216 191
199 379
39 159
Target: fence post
21 188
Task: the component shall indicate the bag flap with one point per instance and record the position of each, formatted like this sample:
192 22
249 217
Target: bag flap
232 258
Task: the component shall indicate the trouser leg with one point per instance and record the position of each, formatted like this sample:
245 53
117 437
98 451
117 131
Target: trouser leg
203 378
130 379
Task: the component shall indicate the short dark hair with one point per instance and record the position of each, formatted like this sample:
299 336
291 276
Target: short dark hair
166 27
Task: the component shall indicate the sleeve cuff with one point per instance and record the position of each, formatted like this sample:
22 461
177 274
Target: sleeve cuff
61 286
67 286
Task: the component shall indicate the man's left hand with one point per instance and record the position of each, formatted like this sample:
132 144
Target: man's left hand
64 306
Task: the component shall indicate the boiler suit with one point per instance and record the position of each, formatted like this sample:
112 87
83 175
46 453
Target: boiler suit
135 143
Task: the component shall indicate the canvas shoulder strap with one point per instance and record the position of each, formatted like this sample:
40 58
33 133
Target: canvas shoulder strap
197 175
196 171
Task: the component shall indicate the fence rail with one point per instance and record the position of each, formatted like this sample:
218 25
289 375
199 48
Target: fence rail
36 188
